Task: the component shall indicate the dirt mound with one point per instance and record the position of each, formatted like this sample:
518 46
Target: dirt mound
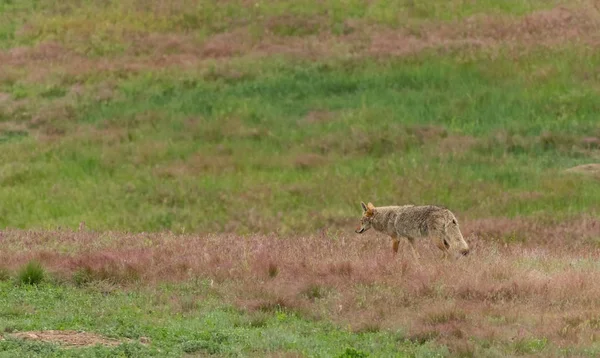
67 338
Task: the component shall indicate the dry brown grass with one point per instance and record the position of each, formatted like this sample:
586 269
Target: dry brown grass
196 164
395 138
545 28
309 160
546 287
317 116
303 38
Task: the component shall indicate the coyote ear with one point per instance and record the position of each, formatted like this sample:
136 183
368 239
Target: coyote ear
370 209
364 206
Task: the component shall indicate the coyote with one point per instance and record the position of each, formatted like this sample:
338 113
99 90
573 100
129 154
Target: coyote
413 222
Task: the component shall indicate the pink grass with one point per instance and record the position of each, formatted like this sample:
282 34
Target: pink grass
547 287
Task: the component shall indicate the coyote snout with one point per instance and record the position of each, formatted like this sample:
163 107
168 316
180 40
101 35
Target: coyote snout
365 221
414 222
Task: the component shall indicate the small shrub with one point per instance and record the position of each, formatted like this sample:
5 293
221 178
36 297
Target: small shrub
133 349
193 346
83 276
367 327
259 319
212 343
9 329
31 274
110 272
315 292
278 304
54 92
513 237
530 346
256 319
104 287
445 315
188 304
424 336
353 353
273 270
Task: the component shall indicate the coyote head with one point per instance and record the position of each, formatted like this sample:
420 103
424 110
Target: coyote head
453 238
367 217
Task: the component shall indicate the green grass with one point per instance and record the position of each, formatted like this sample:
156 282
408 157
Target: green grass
205 327
188 151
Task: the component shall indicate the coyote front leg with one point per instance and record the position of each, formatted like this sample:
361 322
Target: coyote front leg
443 246
414 250
395 243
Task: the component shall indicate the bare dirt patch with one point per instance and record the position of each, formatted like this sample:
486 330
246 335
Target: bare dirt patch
198 163
4 98
455 145
70 339
592 169
317 116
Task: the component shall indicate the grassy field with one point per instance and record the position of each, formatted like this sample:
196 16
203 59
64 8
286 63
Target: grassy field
242 137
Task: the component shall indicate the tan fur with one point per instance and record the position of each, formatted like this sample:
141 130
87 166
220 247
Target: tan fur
415 222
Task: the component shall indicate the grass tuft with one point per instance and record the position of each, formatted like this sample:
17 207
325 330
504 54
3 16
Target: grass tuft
31 274
83 276
273 270
4 274
353 353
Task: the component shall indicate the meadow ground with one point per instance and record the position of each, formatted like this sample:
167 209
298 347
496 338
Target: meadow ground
218 152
